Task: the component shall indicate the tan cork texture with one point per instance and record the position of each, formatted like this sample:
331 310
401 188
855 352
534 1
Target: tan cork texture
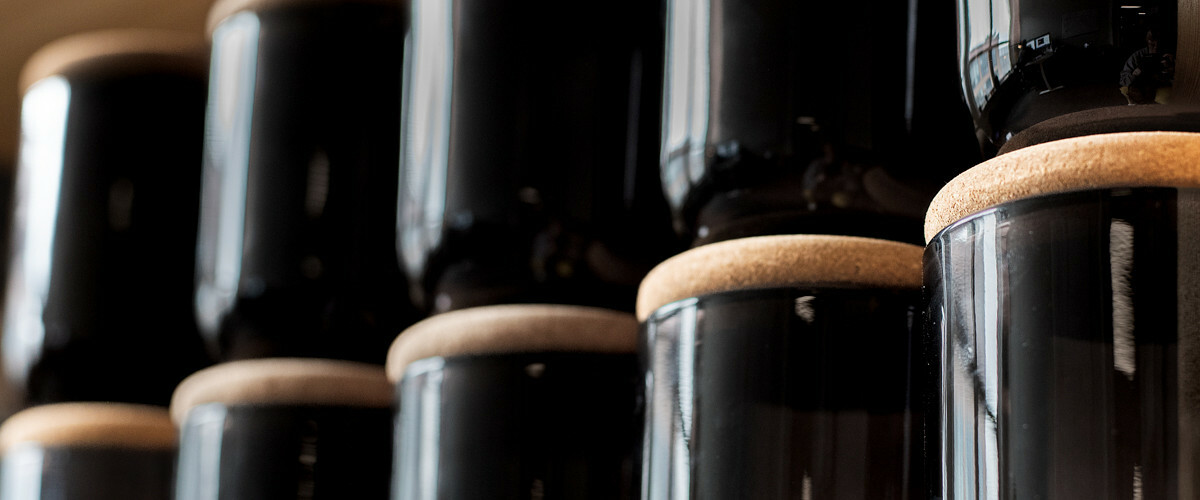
780 261
512 329
284 381
90 424
188 51
1128 159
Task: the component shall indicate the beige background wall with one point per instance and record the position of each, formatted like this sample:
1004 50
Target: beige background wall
26 25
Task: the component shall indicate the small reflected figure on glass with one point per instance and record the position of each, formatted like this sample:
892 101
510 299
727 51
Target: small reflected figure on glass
1148 74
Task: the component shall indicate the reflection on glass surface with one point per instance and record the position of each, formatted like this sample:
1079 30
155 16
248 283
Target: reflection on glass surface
1060 69
35 220
685 100
424 153
200 453
418 432
669 395
21 472
226 164
798 117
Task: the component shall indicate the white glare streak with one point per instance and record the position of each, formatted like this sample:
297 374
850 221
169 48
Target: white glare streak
1121 261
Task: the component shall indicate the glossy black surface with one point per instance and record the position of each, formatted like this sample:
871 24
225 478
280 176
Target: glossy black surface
1071 340
1038 71
783 393
297 237
517 426
801 117
265 452
33 472
528 156
99 292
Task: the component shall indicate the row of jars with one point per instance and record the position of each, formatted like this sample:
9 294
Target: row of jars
789 366
360 168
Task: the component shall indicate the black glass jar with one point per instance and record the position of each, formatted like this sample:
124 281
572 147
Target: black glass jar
528 169
1063 282
783 367
284 428
99 294
297 234
1037 73
784 117
516 401
98 451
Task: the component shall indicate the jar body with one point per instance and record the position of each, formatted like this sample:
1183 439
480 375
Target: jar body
279 451
61 472
298 224
528 157
558 424
98 301
783 393
1069 343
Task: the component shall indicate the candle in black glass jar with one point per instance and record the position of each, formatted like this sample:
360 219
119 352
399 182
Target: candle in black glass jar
528 169
99 294
284 428
809 117
98 451
783 367
296 242
1063 281
516 401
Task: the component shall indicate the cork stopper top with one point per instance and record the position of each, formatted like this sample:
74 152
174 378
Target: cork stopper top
187 51
512 329
223 9
284 381
90 424
1127 159
780 261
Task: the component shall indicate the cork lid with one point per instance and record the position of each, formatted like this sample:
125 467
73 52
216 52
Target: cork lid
512 329
780 261
223 9
187 51
90 424
284 381
1127 159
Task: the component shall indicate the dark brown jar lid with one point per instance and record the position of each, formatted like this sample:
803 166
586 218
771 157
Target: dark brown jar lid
284 381
90 424
511 329
223 9
780 261
1127 159
184 51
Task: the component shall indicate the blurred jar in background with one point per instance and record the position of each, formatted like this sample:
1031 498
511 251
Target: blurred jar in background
296 244
528 155
99 292
799 117
1039 73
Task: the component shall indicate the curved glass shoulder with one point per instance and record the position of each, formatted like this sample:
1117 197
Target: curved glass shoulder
800 117
528 168
1033 73
295 249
